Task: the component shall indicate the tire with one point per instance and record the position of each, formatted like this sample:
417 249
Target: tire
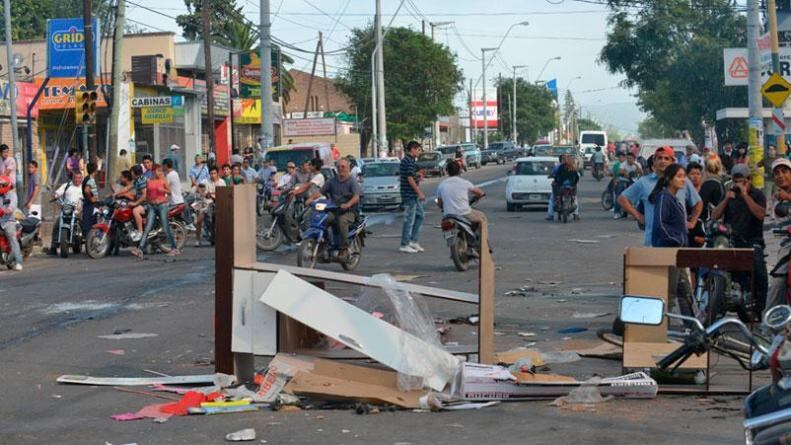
564 217
179 236
305 257
76 246
355 254
260 208
97 244
64 243
458 253
272 242
715 286
484 163
509 207
606 200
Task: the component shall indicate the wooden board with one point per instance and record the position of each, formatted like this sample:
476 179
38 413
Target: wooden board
244 198
137 381
223 280
645 355
349 389
486 291
359 330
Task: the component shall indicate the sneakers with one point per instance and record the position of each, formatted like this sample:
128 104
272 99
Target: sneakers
190 227
135 236
616 216
417 246
198 243
550 218
408 249
173 252
18 267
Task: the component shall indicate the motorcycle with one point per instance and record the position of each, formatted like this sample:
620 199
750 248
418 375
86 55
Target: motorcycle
783 266
316 247
613 190
69 234
462 238
767 410
263 198
284 226
598 171
27 235
116 224
565 205
206 207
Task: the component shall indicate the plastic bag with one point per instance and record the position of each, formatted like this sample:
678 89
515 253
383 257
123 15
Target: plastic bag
587 395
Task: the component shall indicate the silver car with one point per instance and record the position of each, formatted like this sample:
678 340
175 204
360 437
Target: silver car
381 185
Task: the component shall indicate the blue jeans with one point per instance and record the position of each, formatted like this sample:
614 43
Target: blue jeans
10 235
160 212
413 221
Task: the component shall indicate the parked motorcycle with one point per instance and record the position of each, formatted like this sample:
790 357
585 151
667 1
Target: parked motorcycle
69 234
462 237
284 225
27 235
565 206
767 410
206 207
116 224
316 245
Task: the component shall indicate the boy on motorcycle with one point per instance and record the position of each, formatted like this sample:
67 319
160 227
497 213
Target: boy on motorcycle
344 191
567 175
453 196
597 161
7 221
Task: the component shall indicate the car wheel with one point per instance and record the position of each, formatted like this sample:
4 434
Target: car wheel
509 207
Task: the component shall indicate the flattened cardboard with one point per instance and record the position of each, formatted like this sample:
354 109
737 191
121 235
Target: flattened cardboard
514 355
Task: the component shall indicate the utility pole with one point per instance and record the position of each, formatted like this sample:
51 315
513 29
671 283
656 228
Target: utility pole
483 79
267 113
435 125
771 12
513 126
469 112
755 124
374 118
380 78
88 138
206 19
16 145
500 101
118 73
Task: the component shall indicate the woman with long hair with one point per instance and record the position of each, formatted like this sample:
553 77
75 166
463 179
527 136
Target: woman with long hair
670 216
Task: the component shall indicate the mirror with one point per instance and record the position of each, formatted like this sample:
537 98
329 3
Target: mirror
642 310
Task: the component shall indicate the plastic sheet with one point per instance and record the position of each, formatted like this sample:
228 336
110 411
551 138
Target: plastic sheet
587 395
410 313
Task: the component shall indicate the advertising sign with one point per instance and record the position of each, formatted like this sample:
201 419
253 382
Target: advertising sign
66 47
250 75
157 115
247 111
157 101
59 93
309 127
24 96
737 70
491 112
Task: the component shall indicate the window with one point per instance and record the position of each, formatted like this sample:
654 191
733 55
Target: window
534 168
380 169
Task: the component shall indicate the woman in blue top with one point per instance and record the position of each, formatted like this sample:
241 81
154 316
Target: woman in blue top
670 216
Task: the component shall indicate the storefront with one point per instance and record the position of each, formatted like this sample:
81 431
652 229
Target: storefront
24 96
221 125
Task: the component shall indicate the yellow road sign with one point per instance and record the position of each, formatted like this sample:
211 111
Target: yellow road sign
776 90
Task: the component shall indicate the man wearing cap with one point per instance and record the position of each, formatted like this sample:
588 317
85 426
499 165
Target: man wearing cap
781 172
744 209
174 157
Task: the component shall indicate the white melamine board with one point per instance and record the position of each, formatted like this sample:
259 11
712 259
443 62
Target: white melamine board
254 324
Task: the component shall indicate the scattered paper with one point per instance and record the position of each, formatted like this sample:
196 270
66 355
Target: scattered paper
584 241
244 435
116 351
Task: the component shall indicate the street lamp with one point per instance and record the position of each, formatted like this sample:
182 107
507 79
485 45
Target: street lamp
545 67
513 119
483 76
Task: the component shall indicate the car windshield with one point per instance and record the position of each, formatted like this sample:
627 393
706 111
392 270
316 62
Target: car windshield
381 169
496 146
534 168
448 150
540 150
428 157
597 139
557 151
282 158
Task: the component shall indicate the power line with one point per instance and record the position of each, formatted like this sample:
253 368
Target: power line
327 15
458 14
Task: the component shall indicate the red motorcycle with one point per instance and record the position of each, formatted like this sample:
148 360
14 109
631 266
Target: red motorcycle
27 235
115 225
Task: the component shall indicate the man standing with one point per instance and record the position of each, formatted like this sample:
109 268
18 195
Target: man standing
33 196
248 171
9 164
344 191
90 196
174 156
781 170
412 199
744 209
123 162
199 173
727 156
7 221
176 198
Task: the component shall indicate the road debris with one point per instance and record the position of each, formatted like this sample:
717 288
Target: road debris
244 435
589 315
128 336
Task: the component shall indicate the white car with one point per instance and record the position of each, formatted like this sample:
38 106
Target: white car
529 183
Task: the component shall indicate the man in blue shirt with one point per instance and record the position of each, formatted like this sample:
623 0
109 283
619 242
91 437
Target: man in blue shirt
412 199
199 173
640 190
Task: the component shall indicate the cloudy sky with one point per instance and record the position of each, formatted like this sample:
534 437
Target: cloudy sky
573 30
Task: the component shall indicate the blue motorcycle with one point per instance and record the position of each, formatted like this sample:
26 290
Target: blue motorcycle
320 245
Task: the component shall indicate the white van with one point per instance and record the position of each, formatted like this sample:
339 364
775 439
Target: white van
588 142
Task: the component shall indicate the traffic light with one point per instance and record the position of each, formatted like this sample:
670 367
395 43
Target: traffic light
85 106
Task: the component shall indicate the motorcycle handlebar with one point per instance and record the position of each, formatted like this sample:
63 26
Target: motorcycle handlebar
683 351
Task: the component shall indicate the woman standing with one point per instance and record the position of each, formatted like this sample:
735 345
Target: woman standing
157 192
670 217
712 190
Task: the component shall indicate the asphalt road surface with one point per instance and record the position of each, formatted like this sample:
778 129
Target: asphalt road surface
53 314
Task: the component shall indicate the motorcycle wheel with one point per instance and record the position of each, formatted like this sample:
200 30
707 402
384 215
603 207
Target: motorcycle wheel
606 200
260 209
5 259
305 254
97 244
270 242
715 286
64 243
458 253
76 246
564 217
355 252
179 236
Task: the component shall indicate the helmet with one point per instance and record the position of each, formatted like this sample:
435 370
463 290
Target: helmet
6 184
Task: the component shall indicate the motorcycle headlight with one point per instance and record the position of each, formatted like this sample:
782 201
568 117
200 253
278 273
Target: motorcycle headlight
321 206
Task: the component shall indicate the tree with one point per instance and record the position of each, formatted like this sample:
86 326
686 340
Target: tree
569 106
421 79
223 14
671 51
29 18
586 124
651 128
535 114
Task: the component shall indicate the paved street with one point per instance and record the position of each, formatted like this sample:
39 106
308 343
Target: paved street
53 314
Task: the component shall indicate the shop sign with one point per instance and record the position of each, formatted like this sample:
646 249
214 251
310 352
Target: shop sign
59 93
66 47
249 112
157 101
309 127
250 75
157 115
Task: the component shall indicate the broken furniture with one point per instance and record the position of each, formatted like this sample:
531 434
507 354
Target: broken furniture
646 273
245 327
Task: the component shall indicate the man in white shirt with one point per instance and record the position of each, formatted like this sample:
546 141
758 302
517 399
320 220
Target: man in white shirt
313 185
287 180
71 192
453 196
176 198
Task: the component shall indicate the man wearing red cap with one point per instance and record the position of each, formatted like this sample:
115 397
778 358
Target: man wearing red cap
8 202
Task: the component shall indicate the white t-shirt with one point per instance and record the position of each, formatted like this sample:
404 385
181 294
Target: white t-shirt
455 195
211 187
318 180
73 193
174 182
285 181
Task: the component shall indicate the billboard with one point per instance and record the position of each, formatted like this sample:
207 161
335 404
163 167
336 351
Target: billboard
491 112
24 96
250 75
59 93
309 127
66 47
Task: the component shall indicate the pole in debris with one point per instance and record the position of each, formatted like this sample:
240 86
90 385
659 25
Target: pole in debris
118 74
88 137
206 19
16 145
267 115
771 12
755 123
380 78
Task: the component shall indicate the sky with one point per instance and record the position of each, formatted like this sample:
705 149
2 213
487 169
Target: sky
573 30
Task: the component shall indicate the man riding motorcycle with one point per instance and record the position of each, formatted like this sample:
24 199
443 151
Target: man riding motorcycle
567 175
72 193
453 196
781 171
8 203
344 191
597 162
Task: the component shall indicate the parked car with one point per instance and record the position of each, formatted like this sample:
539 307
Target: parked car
649 146
381 186
529 184
432 162
500 152
472 155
